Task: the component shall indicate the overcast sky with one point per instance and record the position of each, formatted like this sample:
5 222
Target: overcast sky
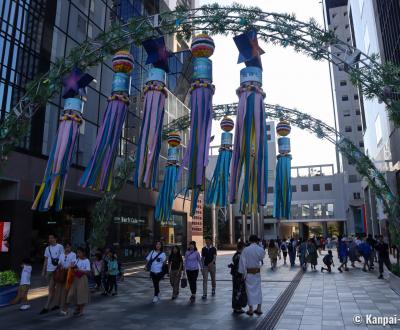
290 79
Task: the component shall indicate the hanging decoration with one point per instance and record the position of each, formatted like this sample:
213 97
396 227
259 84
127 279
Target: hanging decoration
218 191
148 149
51 191
167 192
283 186
202 91
250 152
98 173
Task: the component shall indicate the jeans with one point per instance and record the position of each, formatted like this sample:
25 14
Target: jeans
112 283
192 279
212 270
156 277
292 257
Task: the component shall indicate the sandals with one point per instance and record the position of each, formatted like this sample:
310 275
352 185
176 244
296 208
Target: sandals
249 313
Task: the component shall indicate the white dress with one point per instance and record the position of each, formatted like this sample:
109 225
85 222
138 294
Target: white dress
252 257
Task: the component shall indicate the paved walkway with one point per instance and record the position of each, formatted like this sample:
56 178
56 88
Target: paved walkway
321 301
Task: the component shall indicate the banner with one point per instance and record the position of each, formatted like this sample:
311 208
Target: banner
4 236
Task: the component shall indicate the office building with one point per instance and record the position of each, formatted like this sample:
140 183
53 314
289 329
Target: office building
33 35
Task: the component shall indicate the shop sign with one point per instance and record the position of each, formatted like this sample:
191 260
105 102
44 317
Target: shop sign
129 220
4 236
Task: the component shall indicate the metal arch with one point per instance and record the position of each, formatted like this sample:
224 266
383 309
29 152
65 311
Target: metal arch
275 28
363 164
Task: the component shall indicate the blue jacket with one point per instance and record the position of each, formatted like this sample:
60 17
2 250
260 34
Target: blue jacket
365 249
343 249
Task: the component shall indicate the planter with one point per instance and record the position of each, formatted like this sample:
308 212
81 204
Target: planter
7 293
394 282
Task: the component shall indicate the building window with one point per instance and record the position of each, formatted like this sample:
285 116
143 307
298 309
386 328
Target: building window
270 190
361 144
268 127
343 83
345 13
359 128
335 28
358 112
328 186
346 113
348 129
317 210
316 187
356 96
346 26
357 195
294 188
81 25
345 98
348 39
304 188
305 210
378 130
353 178
329 210
269 138
294 211
333 15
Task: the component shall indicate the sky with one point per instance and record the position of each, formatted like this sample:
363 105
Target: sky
290 79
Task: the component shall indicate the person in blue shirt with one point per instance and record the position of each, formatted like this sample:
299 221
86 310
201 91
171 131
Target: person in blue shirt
113 271
328 261
343 251
365 250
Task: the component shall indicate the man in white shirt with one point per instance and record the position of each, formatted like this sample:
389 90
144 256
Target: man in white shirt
250 263
52 255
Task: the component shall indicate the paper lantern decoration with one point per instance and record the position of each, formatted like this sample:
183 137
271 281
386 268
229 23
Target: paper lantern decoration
122 62
283 128
174 139
202 46
227 124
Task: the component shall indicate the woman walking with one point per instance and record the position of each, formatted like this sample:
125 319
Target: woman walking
113 271
312 253
79 292
67 260
97 268
175 266
192 266
155 261
273 253
239 296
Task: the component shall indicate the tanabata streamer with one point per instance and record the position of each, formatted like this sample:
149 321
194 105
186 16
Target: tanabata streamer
218 192
283 186
202 90
249 166
148 149
167 192
51 192
98 173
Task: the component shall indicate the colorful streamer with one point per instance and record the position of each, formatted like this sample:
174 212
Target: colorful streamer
98 173
202 90
51 192
218 191
166 195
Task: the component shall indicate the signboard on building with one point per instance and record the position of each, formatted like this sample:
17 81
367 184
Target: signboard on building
129 220
197 219
4 236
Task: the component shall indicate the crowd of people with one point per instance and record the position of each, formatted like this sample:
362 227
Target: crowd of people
67 273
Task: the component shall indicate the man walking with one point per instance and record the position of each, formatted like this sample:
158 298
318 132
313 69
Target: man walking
292 249
383 256
250 263
52 256
208 257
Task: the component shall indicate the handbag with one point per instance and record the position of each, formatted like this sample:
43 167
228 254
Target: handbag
54 261
60 275
70 278
183 281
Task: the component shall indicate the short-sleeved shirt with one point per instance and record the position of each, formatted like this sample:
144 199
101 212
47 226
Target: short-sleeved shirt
26 275
156 266
67 260
54 252
83 264
208 254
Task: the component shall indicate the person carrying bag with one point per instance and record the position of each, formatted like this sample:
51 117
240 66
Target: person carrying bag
156 265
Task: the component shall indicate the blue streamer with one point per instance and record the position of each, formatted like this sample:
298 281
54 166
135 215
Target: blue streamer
283 187
166 196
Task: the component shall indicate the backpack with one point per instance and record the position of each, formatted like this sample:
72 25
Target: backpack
283 247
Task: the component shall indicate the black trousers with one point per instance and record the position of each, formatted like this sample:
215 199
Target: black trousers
97 279
156 277
292 257
329 267
112 283
384 260
192 279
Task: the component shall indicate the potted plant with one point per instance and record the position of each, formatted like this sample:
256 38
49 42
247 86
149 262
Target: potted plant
8 287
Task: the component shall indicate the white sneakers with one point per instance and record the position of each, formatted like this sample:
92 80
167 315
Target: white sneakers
155 299
24 307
